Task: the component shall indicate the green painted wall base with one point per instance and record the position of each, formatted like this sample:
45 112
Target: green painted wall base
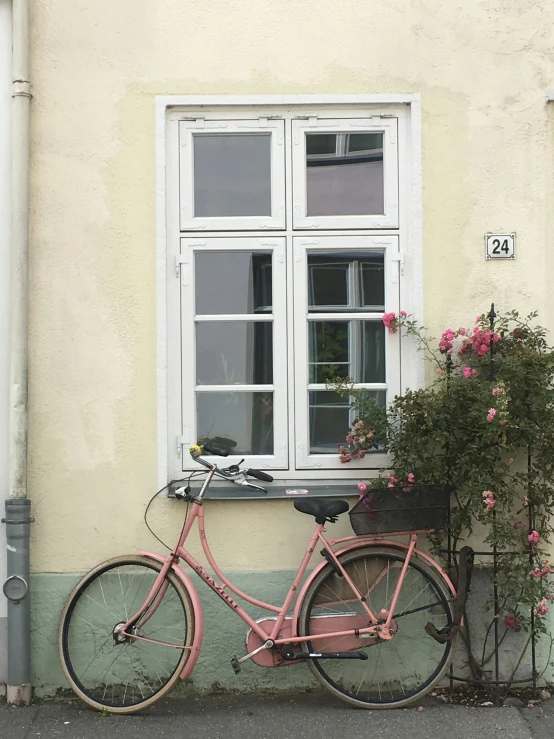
224 636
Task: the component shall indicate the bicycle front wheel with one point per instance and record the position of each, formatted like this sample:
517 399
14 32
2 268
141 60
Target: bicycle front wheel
124 674
399 670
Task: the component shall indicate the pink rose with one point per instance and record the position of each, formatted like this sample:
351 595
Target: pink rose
362 487
541 609
403 313
510 621
491 414
391 322
533 537
489 500
411 477
467 371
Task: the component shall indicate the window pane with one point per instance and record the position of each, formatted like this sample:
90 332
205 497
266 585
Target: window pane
344 281
232 175
233 282
330 419
354 349
364 141
241 423
328 350
327 282
372 288
321 143
351 181
230 353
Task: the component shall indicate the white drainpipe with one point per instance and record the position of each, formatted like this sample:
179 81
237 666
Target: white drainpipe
20 249
17 520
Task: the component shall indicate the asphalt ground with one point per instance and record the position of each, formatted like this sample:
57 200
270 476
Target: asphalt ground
268 717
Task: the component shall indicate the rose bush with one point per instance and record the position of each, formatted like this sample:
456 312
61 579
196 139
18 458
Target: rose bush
485 425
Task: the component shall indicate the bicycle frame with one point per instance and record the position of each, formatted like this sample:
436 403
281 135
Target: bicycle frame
379 624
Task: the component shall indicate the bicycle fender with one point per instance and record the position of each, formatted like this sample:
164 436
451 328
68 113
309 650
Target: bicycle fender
196 607
389 544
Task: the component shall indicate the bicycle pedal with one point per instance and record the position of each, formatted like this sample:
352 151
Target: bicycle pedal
235 665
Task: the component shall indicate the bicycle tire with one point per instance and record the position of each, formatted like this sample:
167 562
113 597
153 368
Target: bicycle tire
101 627
326 670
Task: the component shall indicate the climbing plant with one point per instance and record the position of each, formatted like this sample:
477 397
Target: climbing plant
485 425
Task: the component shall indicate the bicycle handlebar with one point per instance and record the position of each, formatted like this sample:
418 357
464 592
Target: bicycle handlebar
259 475
216 451
232 473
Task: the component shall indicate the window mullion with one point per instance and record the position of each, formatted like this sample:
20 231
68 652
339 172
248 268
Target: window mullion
230 317
236 388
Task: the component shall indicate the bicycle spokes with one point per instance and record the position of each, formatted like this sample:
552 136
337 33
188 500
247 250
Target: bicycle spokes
409 659
117 668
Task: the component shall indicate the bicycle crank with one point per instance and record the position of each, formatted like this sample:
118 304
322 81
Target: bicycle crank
289 655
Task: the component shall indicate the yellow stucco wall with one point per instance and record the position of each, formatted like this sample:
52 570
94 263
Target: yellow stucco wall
96 69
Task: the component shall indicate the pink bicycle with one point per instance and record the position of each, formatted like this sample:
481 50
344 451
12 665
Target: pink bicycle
361 621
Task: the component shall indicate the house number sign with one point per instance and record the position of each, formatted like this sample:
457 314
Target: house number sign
500 246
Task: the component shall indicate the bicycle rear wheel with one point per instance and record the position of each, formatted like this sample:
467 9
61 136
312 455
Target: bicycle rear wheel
397 671
125 675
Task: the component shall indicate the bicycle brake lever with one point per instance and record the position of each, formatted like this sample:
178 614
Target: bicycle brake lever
239 478
250 485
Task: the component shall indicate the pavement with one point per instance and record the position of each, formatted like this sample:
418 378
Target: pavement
268 717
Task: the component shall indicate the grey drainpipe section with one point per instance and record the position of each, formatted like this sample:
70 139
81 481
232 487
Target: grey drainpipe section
16 590
17 520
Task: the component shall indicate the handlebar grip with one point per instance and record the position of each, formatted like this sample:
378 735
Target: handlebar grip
211 449
259 475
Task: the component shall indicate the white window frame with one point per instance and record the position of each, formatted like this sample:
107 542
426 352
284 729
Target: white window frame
316 124
261 125
302 386
169 111
275 246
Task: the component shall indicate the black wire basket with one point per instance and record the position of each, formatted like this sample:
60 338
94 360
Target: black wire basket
401 508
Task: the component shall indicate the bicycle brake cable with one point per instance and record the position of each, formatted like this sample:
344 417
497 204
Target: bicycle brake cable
161 490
